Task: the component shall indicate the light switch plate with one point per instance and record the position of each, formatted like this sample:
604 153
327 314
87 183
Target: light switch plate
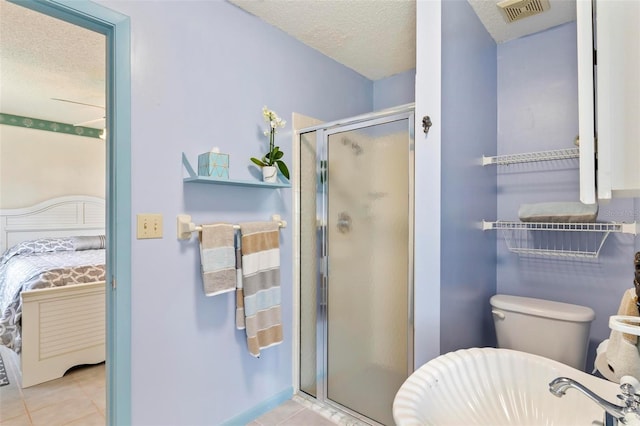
149 225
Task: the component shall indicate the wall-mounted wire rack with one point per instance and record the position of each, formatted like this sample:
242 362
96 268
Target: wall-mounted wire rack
583 240
556 154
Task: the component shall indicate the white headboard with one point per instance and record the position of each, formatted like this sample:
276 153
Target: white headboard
57 217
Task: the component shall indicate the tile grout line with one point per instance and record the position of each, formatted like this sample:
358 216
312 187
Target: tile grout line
76 381
75 420
28 412
24 403
302 408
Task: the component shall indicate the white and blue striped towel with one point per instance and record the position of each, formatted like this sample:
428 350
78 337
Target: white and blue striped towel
218 258
261 285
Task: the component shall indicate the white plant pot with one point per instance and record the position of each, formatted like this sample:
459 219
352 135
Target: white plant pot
269 174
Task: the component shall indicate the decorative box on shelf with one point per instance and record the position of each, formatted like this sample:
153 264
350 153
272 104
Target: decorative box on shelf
213 164
194 178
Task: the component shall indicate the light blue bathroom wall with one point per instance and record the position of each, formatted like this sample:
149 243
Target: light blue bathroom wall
537 110
468 255
201 73
398 89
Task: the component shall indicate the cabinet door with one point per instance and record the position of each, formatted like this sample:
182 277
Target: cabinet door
586 102
618 98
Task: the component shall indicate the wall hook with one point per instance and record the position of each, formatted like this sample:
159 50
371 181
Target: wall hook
426 124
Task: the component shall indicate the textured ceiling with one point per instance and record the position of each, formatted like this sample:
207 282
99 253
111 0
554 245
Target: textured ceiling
43 58
376 38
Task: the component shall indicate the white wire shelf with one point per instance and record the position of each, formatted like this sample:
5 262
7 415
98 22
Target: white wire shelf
529 157
581 240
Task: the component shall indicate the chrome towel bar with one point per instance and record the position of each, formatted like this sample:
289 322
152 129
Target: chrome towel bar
186 227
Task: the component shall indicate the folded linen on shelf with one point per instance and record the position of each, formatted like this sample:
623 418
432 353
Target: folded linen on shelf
218 258
261 284
560 212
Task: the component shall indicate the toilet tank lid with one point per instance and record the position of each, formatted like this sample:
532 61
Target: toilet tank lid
543 308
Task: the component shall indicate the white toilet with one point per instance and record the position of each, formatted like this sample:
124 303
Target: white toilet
555 330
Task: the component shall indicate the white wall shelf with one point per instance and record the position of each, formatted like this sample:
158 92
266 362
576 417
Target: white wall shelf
193 177
582 240
529 157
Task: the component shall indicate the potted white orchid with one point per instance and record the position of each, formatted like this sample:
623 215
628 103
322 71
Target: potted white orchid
272 158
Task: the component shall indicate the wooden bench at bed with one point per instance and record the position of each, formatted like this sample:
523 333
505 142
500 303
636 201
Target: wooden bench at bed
64 326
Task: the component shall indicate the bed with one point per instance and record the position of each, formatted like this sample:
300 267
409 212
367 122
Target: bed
55 325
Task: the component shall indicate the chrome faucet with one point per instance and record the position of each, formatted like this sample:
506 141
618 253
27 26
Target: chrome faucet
629 413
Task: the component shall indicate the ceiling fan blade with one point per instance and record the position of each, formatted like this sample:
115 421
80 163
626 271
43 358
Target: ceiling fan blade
79 103
89 122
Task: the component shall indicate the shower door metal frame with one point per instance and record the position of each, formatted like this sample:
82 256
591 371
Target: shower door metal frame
322 135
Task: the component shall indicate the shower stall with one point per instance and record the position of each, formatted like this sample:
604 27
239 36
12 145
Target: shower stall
356 261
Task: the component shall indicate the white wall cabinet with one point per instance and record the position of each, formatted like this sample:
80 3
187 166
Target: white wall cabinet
609 98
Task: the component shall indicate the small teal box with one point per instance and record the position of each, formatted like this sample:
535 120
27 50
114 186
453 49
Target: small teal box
213 164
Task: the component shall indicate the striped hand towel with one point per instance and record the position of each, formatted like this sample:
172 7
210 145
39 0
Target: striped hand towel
261 284
217 257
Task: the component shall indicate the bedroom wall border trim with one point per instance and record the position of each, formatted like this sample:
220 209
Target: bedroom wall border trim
49 126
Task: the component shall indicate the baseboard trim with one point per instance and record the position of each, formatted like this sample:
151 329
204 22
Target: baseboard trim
260 409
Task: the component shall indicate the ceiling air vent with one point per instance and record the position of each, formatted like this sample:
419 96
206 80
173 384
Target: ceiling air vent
512 10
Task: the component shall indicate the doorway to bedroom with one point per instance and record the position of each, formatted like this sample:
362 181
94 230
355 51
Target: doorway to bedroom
52 171
104 143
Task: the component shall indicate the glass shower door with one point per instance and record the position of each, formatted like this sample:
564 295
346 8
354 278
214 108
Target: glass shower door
367 206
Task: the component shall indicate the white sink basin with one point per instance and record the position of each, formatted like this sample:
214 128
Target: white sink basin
488 386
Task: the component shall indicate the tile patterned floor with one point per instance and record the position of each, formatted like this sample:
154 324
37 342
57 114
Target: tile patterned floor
303 411
292 413
77 399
